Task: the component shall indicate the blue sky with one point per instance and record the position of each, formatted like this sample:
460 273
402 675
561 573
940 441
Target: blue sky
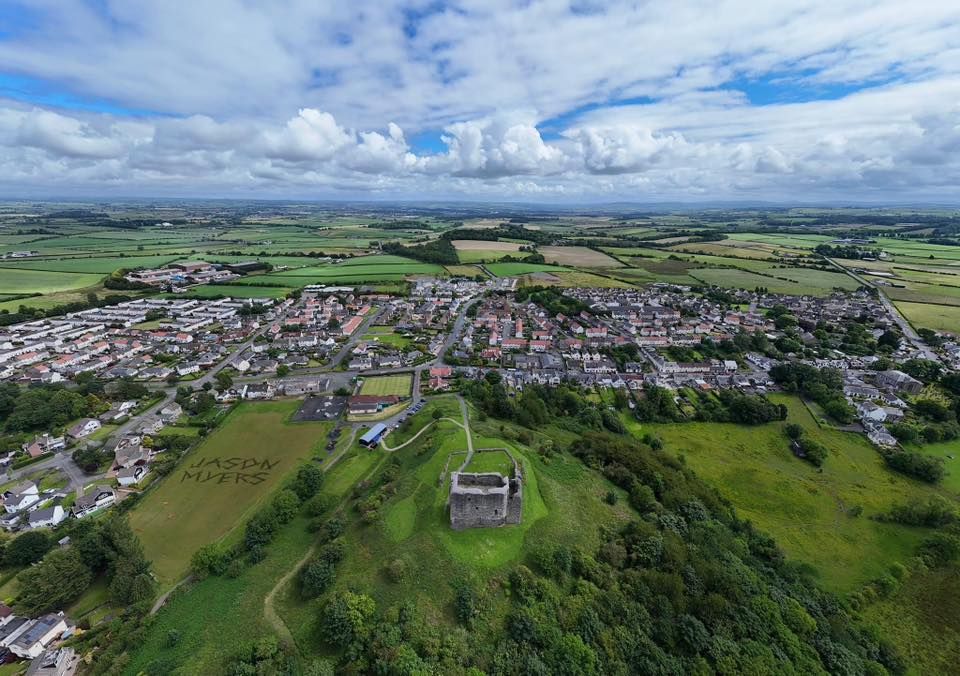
491 100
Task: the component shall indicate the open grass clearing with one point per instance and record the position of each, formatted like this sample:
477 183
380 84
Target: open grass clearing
489 460
805 510
221 483
398 384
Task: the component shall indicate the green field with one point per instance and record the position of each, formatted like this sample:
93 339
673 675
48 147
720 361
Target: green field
387 336
929 316
94 264
13 280
188 510
805 510
399 385
490 461
788 281
514 269
234 291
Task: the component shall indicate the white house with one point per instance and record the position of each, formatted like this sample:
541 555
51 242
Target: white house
47 518
32 641
20 497
99 498
130 476
84 428
870 411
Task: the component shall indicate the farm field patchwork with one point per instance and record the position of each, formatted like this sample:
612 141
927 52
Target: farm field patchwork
220 484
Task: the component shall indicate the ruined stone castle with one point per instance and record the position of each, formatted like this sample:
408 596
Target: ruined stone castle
484 500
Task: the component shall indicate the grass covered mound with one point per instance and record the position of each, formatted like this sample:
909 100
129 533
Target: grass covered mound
625 563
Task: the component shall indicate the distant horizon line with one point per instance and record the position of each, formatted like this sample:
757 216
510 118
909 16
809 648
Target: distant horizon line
559 205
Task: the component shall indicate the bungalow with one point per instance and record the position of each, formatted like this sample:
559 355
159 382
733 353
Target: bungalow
441 371
187 369
130 476
20 497
389 361
361 363
99 498
368 403
84 428
46 518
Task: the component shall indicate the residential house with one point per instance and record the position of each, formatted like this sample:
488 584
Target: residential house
84 428
44 443
47 517
131 476
40 633
899 381
171 412
129 455
870 411
60 662
97 499
20 497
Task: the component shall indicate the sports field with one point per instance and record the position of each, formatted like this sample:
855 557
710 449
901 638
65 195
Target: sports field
220 483
399 385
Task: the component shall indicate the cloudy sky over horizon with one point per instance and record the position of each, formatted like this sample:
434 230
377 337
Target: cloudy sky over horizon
582 100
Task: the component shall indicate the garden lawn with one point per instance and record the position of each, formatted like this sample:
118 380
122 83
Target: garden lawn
386 385
194 506
806 511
